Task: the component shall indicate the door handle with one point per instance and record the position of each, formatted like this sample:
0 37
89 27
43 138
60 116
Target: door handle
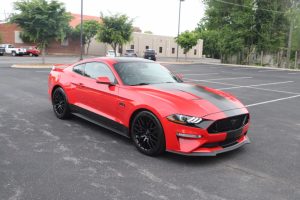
78 84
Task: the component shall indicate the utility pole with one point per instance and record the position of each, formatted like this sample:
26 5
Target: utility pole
81 34
292 21
178 27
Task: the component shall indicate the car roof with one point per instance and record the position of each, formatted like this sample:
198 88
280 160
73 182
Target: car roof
117 59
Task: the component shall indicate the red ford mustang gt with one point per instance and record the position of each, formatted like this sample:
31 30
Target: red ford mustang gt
144 101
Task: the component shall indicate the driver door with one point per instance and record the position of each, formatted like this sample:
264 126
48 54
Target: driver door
100 98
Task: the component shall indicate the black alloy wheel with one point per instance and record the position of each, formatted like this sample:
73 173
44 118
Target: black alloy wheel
60 104
147 134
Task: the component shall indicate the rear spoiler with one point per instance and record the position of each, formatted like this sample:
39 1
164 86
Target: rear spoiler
60 67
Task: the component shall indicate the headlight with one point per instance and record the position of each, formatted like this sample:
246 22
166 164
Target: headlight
184 119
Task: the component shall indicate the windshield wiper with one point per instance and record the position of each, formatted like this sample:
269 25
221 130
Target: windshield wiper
140 84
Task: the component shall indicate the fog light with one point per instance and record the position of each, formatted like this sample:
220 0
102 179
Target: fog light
184 135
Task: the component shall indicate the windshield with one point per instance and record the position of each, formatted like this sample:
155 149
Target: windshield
143 73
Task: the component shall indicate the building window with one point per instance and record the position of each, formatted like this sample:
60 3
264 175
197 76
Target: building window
173 50
18 39
195 51
65 42
147 47
160 49
132 46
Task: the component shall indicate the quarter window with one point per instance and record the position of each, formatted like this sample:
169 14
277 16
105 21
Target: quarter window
96 69
79 69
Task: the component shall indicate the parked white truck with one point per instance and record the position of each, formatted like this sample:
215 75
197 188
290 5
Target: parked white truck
10 49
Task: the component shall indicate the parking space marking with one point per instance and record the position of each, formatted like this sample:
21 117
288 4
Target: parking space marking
272 101
201 74
219 79
246 86
270 90
251 87
272 70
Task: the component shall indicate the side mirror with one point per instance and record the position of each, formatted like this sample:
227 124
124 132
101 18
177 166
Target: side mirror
104 80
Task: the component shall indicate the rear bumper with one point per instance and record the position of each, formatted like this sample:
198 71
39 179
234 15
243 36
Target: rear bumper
216 152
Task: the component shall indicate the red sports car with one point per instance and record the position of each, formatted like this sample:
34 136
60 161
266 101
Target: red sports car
146 102
32 51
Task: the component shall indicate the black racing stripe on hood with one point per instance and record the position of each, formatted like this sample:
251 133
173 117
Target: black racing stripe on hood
219 101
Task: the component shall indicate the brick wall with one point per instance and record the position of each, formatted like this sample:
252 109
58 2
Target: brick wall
7 32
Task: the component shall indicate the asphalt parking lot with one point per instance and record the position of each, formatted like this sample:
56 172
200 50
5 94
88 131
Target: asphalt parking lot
42 157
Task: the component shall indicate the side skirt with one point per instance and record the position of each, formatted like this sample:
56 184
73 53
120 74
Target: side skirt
100 120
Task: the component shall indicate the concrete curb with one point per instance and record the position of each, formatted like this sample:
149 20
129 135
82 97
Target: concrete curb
250 66
32 66
232 65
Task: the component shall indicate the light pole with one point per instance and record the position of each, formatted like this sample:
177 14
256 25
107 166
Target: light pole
178 27
81 34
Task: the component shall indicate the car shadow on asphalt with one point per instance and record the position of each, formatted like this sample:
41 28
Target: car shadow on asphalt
203 160
98 132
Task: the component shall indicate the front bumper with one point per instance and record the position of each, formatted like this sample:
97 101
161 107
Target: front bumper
201 142
246 140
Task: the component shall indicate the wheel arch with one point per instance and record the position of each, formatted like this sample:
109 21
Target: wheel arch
137 111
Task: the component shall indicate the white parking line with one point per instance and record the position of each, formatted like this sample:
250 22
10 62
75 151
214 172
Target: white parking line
271 101
270 90
220 79
272 70
251 87
246 86
200 74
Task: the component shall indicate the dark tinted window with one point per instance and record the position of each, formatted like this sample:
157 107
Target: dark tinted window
79 69
160 49
173 50
96 69
135 73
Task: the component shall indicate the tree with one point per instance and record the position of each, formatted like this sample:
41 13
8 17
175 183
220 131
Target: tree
90 29
42 21
115 30
187 40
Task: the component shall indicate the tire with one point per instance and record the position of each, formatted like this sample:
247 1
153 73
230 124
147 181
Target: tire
60 104
30 54
13 53
147 134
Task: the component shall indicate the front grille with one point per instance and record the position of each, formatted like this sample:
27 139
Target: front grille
229 124
224 144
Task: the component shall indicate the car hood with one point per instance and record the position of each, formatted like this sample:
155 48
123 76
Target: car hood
193 99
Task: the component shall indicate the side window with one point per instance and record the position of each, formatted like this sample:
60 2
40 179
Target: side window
79 69
96 69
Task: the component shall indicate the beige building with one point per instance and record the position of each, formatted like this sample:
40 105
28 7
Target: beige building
165 46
